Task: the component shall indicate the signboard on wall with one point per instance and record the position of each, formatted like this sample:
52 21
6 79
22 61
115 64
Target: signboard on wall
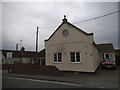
9 55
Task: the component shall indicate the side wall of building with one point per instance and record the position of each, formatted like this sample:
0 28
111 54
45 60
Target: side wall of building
85 65
11 61
96 57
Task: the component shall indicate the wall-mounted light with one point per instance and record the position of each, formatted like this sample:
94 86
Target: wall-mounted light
90 54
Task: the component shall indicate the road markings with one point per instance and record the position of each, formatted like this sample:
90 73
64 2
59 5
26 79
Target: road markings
102 87
56 82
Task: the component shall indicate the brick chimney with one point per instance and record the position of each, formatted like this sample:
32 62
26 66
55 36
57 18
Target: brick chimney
22 49
17 47
64 20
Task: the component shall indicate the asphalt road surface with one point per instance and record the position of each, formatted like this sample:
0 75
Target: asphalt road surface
101 79
12 82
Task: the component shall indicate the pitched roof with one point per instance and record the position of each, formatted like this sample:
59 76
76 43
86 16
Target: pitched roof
14 53
42 53
105 47
29 54
70 25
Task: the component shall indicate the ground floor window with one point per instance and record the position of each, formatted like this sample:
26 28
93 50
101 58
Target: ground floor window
57 57
75 56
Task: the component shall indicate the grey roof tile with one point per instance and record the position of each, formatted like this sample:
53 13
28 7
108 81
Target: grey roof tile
105 47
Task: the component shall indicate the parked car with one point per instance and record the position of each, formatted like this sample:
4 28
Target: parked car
108 64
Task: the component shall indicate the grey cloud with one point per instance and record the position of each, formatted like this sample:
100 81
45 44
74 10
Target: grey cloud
20 21
0 25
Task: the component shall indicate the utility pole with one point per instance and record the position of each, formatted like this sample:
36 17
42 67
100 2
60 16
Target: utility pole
37 40
36 45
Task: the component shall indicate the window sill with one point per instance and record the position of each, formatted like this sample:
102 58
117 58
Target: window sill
57 62
75 63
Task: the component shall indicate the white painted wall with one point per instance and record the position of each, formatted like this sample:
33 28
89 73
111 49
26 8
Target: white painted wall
75 41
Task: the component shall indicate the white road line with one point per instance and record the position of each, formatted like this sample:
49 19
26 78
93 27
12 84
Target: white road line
101 87
56 82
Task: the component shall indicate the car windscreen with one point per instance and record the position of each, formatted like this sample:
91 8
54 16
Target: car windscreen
109 60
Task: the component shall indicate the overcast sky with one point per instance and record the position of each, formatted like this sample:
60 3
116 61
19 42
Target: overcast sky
20 20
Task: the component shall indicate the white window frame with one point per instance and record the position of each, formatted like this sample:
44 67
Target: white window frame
75 57
105 55
57 58
9 55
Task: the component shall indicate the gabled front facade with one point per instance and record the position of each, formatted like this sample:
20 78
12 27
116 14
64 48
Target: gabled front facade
71 49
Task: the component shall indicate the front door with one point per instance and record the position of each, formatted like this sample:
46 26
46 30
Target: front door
107 56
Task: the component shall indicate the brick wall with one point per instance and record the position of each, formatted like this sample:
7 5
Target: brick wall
6 66
37 69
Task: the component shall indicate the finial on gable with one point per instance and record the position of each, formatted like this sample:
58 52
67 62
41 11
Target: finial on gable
64 20
64 16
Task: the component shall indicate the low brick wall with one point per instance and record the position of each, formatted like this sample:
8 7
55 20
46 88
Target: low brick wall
6 66
37 69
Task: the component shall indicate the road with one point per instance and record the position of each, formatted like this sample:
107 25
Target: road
101 79
12 82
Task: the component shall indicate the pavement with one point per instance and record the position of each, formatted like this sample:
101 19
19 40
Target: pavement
102 78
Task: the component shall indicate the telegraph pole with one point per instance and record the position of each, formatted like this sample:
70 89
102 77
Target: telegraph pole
37 40
36 45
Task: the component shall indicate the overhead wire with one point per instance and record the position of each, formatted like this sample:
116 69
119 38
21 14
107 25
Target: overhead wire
96 17
86 20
